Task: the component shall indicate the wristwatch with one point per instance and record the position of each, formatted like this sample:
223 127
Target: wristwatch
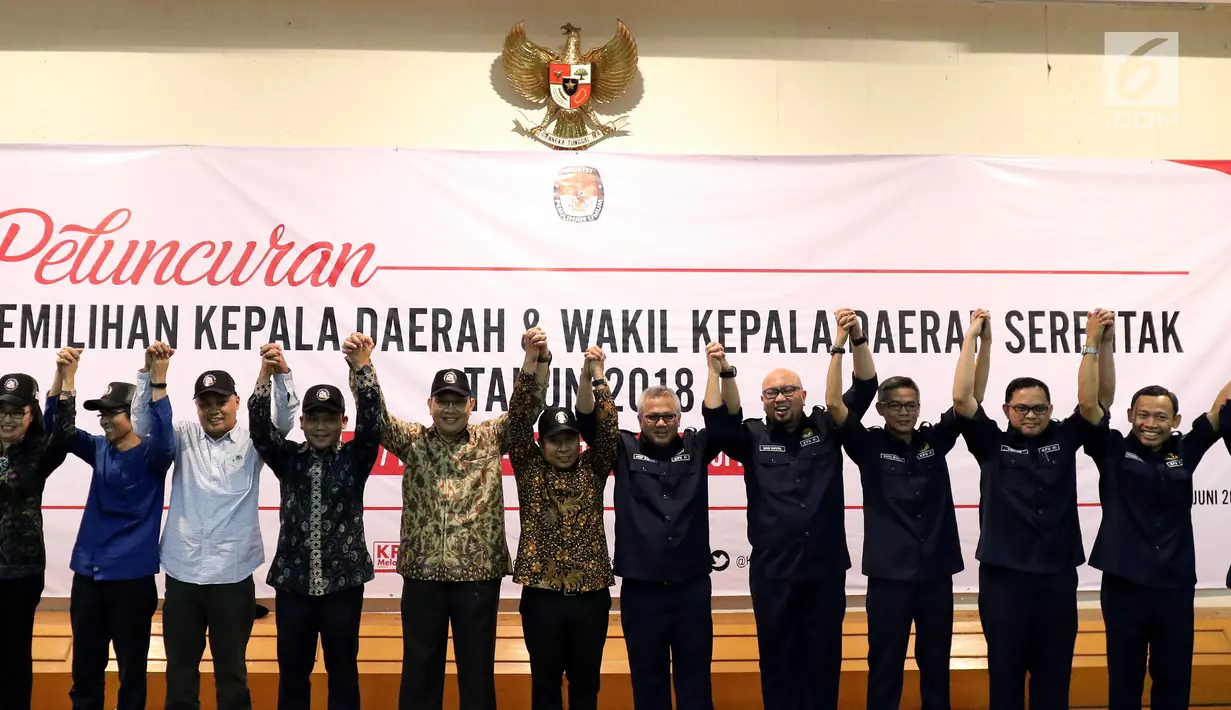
546 359
158 385
859 341
728 373
834 350
598 383
1089 351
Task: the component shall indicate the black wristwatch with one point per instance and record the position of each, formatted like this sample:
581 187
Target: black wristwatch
546 359
859 341
598 383
729 372
158 385
835 350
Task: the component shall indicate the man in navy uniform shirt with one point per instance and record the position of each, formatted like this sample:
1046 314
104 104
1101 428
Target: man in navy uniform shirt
1030 540
796 525
911 548
1145 545
662 539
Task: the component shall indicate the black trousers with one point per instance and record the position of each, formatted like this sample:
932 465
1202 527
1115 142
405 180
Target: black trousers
105 613
892 606
18 600
565 635
334 619
799 638
1030 623
223 611
669 634
1147 622
428 609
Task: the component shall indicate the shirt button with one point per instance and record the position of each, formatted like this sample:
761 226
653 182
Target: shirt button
799 480
803 505
1040 512
670 539
806 533
668 518
664 496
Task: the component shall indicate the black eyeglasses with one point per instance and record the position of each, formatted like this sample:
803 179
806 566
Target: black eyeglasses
773 392
12 415
1024 409
666 418
902 406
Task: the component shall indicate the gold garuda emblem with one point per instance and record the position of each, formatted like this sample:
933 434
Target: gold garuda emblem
570 83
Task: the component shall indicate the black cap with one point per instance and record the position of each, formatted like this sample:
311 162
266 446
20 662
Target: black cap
324 397
19 389
554 420
217 381
118 395
451 380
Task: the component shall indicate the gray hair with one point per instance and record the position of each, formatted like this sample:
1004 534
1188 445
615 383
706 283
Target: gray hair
656 392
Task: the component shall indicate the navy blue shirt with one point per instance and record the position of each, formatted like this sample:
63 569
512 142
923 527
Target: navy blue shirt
662 525
909 524
1146 535
793 479
1028 493
118 537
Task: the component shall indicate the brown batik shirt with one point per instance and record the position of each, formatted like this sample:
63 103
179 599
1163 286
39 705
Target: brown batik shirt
452 499
563 545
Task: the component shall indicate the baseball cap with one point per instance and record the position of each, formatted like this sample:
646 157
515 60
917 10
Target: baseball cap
554 420
325 397
18 388
451 380
217 381
118 395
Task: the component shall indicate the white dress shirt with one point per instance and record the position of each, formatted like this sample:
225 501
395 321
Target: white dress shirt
213 530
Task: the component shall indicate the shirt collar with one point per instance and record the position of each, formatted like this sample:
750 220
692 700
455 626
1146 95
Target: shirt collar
434 433
236 435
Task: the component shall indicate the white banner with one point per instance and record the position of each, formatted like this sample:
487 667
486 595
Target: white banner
446 257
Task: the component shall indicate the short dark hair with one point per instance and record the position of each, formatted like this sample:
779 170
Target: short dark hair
1156 391
895 383
1025 383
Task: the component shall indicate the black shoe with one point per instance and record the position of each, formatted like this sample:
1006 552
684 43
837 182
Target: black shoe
261 611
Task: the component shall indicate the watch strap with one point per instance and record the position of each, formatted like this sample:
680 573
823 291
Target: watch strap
859 341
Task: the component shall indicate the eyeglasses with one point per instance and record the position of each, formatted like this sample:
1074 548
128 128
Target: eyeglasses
773 392
902 406
111 413
1037 410
12 415
458 404
666 418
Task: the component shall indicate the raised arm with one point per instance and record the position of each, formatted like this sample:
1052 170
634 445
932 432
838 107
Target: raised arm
833 381
1106 359
283 398
61 408
965 403
1088 372
538 361
983 361
1214 415
267 437
139 412
720 387
527 400
161 441
605 444
367 404
395 435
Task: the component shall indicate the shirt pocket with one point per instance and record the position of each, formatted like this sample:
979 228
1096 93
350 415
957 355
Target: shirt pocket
774 471
897 483
232 473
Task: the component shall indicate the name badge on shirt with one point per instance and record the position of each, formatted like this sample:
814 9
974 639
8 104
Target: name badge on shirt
1175 463
682 457
1011 450
641 457
927 453
1131 455
1049 448
893 457
773 447
810 440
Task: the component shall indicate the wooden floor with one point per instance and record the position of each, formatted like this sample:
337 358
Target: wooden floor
736 683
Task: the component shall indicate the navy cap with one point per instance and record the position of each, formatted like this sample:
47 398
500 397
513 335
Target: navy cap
216 381
554 420
451 380
118 395
325 397
18 388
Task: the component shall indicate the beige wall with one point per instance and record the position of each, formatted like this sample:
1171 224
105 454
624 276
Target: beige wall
727 76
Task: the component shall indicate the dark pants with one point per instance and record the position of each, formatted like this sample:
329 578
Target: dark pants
799 639
1030 623
892 606
104 613
1146 621
18 600
669 629
565 635
226 613
428 608
334 618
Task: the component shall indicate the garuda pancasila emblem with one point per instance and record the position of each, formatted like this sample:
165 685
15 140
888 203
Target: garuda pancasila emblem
570 83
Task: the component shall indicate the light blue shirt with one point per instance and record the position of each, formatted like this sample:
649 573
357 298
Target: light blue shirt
213 530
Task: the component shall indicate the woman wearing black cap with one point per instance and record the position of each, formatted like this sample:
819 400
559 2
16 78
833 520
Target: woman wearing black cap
28 455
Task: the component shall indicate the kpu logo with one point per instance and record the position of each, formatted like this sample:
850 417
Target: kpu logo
719 560
385 556
578 194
